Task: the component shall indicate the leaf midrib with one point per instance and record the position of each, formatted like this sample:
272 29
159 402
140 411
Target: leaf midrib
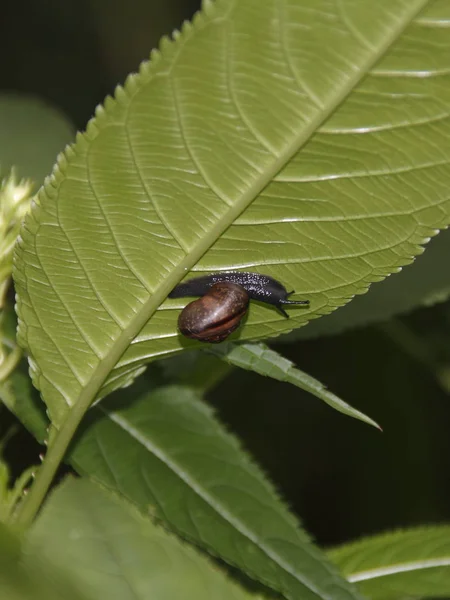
107 364
399 568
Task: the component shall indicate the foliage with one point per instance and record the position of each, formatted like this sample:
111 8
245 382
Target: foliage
309 145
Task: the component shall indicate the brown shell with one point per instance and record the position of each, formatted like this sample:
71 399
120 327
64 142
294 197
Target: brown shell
215 315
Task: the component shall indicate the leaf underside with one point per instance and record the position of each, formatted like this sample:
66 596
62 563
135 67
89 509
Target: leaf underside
308 144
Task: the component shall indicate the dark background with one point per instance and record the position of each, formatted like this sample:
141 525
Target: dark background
341 477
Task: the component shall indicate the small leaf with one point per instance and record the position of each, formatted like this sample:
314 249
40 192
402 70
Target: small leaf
411 563
261 359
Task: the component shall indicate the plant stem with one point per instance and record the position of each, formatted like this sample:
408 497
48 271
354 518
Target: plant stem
31 503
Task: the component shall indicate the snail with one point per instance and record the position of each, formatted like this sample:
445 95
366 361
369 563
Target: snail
215 315
224 301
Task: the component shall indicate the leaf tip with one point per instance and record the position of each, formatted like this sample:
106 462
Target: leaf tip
370 421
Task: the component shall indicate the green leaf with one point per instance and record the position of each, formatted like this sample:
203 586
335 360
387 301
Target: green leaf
21 398
168 452
35 581
109 550
263 360
425 282
32 133
10 548
311 145
413 563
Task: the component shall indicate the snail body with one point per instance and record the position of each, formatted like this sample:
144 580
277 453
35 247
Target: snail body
215 315
259 287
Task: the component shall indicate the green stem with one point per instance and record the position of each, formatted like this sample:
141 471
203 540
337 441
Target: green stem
17 492
31 503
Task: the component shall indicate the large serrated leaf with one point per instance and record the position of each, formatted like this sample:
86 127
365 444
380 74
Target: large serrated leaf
167 453
234 148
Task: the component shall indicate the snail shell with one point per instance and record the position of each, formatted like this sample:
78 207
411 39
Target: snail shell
214 316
